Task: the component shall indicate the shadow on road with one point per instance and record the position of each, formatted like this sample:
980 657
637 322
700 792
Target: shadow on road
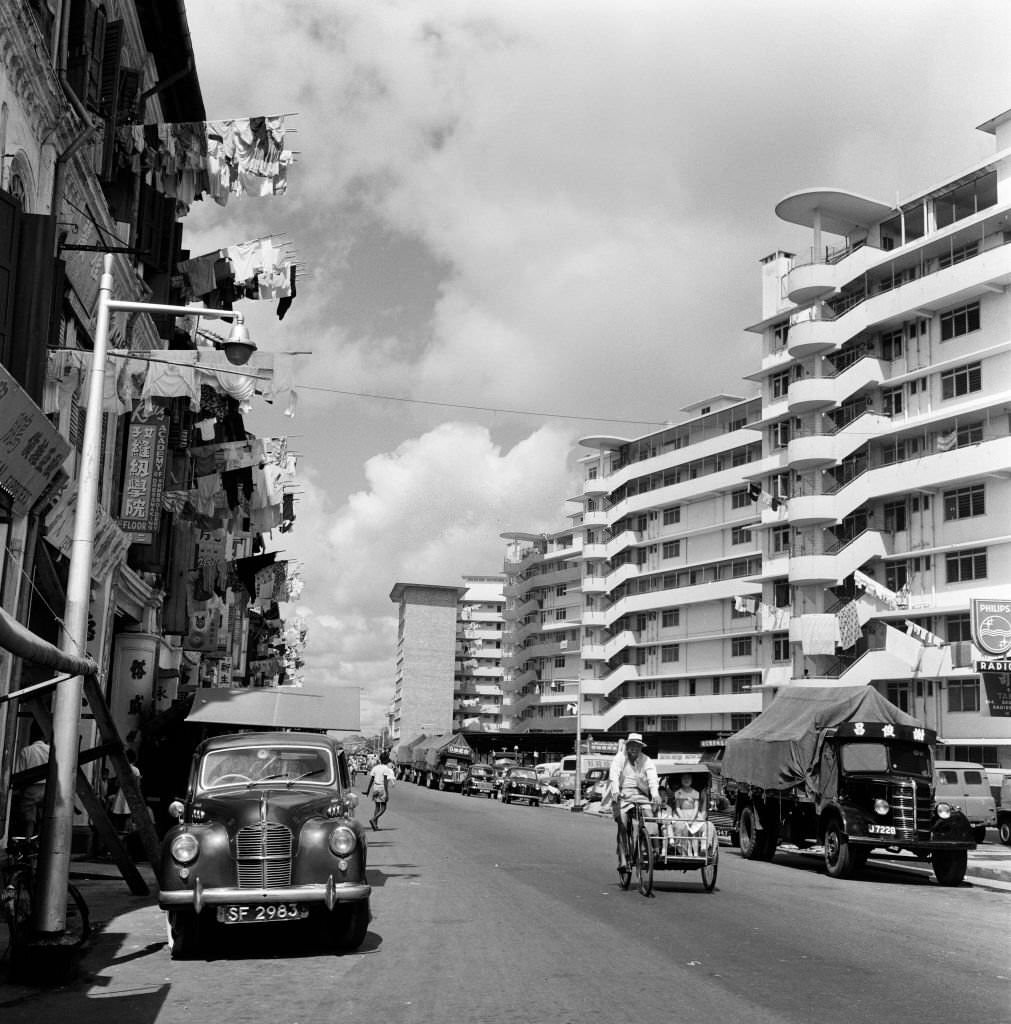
378 876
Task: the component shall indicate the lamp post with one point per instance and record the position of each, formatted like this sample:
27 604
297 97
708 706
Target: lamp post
49 919
577 803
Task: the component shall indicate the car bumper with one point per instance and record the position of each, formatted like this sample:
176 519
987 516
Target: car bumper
330 893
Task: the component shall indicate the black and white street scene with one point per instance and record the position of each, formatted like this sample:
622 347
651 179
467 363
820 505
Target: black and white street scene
503 511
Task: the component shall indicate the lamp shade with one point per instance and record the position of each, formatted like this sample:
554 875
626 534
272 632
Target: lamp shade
238 346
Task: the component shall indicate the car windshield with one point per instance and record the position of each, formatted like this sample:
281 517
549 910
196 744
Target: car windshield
482 773
237 766
524 773
898 758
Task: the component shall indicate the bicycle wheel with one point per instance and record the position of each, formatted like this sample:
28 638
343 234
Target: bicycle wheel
78 919
644 862
624 858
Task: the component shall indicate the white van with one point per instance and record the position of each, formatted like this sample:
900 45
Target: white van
966 787
565 776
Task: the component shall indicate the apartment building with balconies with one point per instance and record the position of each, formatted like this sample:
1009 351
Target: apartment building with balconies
543 606
671 628
886 390
477 677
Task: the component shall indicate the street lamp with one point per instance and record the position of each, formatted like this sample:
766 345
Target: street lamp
577 803
49 919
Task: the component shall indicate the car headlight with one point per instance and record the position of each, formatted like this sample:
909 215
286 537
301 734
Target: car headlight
880 806
943 810
184 848
342 840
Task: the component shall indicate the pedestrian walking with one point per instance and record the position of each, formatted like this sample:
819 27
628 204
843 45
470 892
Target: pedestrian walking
381 781
29 798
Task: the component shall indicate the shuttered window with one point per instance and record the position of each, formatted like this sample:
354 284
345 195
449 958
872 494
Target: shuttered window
965 502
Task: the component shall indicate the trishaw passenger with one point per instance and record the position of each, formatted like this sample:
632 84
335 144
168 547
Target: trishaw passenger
633 780
687 805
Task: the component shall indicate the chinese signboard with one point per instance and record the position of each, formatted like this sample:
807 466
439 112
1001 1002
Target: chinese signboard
31 448
144 478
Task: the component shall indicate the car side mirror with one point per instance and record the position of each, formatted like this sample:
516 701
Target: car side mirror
176 809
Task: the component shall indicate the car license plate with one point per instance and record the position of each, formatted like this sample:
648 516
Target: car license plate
258 913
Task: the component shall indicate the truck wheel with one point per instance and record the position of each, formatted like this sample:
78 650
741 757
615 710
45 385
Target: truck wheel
838 860
1004 831
949 868
186 936
749 835
442 785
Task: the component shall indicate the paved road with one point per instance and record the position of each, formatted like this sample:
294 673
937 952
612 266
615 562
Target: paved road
488 914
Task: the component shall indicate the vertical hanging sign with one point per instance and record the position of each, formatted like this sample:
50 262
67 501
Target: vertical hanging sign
144 476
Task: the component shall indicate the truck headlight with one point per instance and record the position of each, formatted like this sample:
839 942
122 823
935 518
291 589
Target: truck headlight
881 806
342 840
943 810
184 848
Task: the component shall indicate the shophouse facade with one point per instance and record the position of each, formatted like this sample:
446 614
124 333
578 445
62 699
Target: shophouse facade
477 676
93 101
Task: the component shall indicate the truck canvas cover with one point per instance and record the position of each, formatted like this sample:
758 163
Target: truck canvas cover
405 750
781 747
440 747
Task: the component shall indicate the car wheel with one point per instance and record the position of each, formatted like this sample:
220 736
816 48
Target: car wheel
345 927
979 833
185 933
949 868
1004 831
838 862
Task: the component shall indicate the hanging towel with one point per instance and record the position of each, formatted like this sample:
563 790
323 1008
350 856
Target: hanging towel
849 626
819 633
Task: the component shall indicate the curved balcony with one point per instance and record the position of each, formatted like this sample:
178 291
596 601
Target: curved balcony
596 488
594 616
594 585
811 337
811 450
810 281
812 393
813 569
811 509
594 551
828 448
814 278
598 517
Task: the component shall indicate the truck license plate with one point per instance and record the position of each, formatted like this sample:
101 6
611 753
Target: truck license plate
262 912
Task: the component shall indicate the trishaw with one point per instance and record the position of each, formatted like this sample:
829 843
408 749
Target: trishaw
680 837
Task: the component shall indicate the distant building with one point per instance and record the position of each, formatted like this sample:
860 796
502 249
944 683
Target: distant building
426 652
477 676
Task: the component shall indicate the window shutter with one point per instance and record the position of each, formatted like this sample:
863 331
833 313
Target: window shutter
85 50
10 220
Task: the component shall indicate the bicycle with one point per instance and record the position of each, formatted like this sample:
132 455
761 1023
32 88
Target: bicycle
17 900
635 853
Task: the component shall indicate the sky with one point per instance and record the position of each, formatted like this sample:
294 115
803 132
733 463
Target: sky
522 222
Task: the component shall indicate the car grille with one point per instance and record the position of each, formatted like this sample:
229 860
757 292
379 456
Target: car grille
911 809
263 856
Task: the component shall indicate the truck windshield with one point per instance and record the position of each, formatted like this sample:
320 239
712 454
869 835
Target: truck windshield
897 758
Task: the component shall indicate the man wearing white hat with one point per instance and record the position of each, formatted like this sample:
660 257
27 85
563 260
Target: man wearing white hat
633 780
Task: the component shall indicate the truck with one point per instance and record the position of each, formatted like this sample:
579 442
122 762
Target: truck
843 768
442 762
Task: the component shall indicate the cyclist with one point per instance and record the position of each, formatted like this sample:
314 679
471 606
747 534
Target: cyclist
633 780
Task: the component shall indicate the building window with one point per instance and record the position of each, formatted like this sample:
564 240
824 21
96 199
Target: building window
740 684
963 695
669 653
560 590
668 687
965 502
668 723
780 384
561 613
962 380
740 647
898 694
957 628
690 687
781 540
559 661
780 646
716 685
738 722
892 402
672 515
670 617
963 320
781 594
896 575
961 566
740 499
671 548
779 335
970 433
891 345
740 535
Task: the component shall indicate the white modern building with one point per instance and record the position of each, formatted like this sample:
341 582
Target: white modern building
477 679
543 612
833 530
886 391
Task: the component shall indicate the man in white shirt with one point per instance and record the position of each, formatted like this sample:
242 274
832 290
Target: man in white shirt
633 780
381 781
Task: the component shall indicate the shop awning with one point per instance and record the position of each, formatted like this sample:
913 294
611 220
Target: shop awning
279 707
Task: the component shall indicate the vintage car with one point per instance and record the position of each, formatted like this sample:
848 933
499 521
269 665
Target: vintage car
266 834
480 779
594 783
520 784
